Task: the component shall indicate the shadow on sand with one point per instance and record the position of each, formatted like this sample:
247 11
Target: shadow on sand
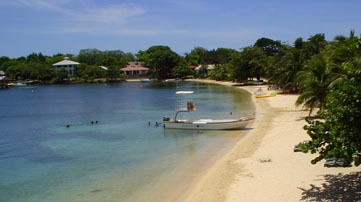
336 188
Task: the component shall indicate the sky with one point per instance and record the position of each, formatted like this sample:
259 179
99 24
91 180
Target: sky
68 26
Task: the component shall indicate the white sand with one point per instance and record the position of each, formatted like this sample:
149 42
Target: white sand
263 167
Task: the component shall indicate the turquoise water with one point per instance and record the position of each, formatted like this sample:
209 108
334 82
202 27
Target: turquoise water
108 152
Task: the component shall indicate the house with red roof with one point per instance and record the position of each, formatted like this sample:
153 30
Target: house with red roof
135 69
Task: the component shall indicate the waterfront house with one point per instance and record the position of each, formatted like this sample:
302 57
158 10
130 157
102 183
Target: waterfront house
192 67
68 65
3 80
204 70
209 67
135 69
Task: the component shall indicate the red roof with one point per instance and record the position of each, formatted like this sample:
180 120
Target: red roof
134 68
192 67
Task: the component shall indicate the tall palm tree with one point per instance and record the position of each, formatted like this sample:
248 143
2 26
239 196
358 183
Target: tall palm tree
315 82
286 68
325 71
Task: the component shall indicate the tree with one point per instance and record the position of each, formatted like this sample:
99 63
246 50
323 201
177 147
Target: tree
298 44
3 59
90 72
60 76
36 58
222 55
221 72
249 63
161 59
202 72
197 56
315 83
269 46
16 70
91 56
112 74
315 44
182 71
337 132
324 71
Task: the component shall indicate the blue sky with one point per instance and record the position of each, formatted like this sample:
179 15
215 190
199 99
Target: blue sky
67 26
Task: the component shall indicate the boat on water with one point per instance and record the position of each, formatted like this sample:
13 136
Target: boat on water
17 84
203 124
207 124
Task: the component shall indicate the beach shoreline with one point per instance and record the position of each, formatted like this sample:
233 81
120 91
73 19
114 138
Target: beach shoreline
262 166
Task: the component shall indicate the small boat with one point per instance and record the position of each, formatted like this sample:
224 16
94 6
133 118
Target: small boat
203 124
266 96
262 94
207 124
17 84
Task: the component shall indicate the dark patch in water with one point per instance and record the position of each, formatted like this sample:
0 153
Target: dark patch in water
96 190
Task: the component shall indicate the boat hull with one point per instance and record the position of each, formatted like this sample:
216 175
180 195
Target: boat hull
208 124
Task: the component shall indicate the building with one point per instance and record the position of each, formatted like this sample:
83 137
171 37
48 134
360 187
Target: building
209 67
3 80
68 65
192 67
135 69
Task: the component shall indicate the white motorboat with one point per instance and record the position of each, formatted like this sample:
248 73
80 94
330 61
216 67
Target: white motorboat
207 124
203 124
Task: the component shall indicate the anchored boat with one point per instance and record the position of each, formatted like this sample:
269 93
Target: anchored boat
203 124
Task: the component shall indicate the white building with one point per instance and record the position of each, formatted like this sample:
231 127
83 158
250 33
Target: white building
209 67
68 65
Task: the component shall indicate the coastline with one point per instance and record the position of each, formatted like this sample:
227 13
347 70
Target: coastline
262 166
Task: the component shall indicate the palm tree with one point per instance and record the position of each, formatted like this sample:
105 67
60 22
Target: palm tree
286 68
315 82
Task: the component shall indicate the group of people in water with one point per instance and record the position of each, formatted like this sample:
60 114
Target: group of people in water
92 122
156 124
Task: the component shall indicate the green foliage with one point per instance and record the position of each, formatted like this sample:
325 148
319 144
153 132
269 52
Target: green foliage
250 63
60 76
161 60
90 72
269 46
202 72
182 71
337 132
96 57
315 44
285 68
113 74
196 56
220 72
3 60
315 82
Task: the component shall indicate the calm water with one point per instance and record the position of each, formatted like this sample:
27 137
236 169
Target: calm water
118 157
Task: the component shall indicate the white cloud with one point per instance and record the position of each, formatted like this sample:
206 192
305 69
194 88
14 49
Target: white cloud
70 12
108 14
46 5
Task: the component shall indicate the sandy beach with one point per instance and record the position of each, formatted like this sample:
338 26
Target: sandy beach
263 166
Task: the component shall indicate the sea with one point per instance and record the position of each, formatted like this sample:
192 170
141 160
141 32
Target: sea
105 142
